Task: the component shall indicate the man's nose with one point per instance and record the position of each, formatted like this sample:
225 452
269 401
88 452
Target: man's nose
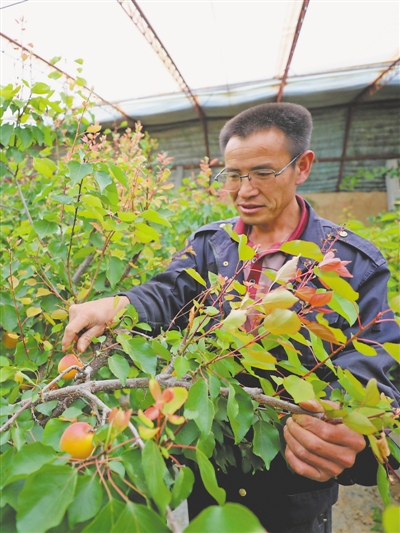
247 187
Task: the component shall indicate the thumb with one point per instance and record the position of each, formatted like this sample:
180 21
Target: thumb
86 338
312 405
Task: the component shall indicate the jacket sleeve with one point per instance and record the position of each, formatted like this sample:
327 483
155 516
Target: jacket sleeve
165 300
371 284
372 288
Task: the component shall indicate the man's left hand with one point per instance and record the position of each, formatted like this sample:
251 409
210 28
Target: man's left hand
317 449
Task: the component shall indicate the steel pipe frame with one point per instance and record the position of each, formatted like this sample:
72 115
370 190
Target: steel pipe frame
293 47
382 80
139 19
68 76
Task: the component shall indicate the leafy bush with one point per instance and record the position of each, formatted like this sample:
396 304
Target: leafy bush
85 212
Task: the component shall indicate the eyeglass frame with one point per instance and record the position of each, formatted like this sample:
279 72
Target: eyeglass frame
276 174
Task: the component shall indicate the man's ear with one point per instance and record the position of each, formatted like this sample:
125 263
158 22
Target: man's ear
303 165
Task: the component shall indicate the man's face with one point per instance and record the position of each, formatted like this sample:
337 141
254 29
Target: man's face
263 206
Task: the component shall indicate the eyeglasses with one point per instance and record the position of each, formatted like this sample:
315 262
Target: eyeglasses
262 177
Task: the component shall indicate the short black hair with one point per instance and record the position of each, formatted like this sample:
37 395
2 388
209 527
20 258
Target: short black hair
293 120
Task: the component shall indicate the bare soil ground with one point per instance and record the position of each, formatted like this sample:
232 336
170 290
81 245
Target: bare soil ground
354 511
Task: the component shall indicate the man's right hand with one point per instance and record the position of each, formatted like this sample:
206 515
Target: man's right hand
92 317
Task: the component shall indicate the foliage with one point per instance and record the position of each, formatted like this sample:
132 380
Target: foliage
350 182
86 212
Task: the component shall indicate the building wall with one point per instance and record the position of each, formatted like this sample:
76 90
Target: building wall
374 131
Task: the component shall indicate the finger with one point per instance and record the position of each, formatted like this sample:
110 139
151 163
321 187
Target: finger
332 433
312 405
75 326
86 338
329 458
304 469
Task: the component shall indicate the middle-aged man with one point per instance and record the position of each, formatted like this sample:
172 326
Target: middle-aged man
267 156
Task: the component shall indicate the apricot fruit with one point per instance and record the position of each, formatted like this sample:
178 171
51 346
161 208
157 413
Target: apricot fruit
77 440
69 360
9 339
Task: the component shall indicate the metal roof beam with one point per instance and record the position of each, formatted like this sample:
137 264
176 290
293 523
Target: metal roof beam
293 48
139 19
68 76
382 80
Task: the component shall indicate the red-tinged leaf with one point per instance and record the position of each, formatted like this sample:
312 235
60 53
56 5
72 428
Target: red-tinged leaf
305 293
288 271
323 332
331 263
321 298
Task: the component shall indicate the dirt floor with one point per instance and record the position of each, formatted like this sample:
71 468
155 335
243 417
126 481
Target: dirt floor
355 509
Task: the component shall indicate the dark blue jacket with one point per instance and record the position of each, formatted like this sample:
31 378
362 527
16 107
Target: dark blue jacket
279 497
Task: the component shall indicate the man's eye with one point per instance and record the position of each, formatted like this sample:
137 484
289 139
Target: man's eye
232 177
262 174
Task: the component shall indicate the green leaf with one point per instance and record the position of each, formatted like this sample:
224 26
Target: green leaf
352 385
115 270
383 484
51 488
87 500
44 228
107 518
195 275
280 298
240 411
118 174
299 389
282 321
245 252
137 518
303 248
266 443
209 479
231 517
345 308
390 519
199 407
372 396
8 317
235 319
365 349
140 351
6 132
337 284
153 216
119 366
395 303
47 407
154 470
53 432
182 487
103 179
44 166
132 461
29 459
40 88
360 423
392 349
78 171
145 233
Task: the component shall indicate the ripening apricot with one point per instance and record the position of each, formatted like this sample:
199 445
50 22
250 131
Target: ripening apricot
77 440
9 339
69 360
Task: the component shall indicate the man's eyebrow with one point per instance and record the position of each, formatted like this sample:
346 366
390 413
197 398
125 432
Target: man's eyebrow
257 167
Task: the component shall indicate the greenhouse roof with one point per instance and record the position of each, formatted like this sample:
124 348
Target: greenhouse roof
153 60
